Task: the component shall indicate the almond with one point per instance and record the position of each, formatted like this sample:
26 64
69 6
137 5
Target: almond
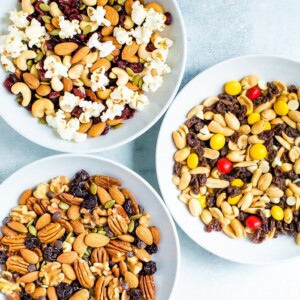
96 240
67 48
144 234
80 54
51 293
128 6
102 2
84 127
29 256
142 254
79 246
77 226
81 295
117 195
43 90
68 271
111 15
108 30
32 82
132 280
43 221
68 84
133 59
73 212
102 62
30 277
96 129
103 195
155 234
8 232
16 226
67 257
25 195
130 50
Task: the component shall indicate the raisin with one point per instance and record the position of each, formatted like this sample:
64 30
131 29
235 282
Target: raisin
90 202
25 297
2 257
64 291
51 254
152 249
214 225
192 121
128 208
169 18
292 132
292 89
149 268
135 294
192 140
76 286
32 242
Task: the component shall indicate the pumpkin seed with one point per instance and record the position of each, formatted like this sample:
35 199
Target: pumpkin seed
32 230
37 266
69 236
46 19
87 29
142 61
109 204
30 223
82 7
136 80
94 230
43 263
102 232
109 57
111 2
118 126
117 7
42 120
130 72
39 57
64 206
131 226
93 188
121 2
44 7
19 99
29 63
141 82
55 32
38 96
136 217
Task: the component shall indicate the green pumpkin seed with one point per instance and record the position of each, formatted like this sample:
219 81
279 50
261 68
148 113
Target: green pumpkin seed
64 206
30 223
19 99
94 230
142 61
109 57
93 188
118 126
87 29
141 82
136 80
111 2
39 57
136 217
42 120
130 72
102 232
87 253
37 266
82 7
29 63
43 263
45 83
55 32
38 96
117 7
109 204
69 236
32 230
44 7
121 2
45 286
100 229
46 19
131 226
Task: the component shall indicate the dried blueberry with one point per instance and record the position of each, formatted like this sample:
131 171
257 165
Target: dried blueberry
51 253
64 291
26 297
31 268
32 242
149 268
128 208
6 220
59 244
2 257
135 294
76 286
90 202
82 175
108 232
56 216
152 249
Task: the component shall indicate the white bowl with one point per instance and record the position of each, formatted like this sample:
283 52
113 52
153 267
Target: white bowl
210 83
22 121
168 256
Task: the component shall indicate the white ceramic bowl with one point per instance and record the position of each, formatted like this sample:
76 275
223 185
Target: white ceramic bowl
210 83
168 256
22 121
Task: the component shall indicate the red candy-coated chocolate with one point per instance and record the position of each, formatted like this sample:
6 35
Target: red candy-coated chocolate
224 165
253 222
253 93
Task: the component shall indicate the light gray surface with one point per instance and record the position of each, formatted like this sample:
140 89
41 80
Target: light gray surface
216 30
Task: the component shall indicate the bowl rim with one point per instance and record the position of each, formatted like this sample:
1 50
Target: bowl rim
160 136
136 176
137 134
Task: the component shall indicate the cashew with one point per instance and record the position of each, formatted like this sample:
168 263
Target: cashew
122 75
41 107
21 87
75 72
90 2
143 53
84 24
22 59
67 61
27 7
54 10
85 79
56 84
90 58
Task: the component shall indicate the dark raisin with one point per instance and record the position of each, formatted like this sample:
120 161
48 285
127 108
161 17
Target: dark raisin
233 191
2 257
192 140
128 207
135 294
152 249
279 128
199 151
90 202
122 64
214 225
292 89
169 18
51 254
149 268
76 191
64 291
192 121
108 232
210 200
137 67
25 297
76 286
32 242
292 132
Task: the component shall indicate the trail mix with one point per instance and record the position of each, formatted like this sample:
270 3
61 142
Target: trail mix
82 66
81 239
238 160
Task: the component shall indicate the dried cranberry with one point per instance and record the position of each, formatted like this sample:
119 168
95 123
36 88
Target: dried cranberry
54 95
106 130
135 294
90 202
149 268
77 111
169 18
32 242
79 93
122 64
127 113
38 9
152 249
150 47
64 291
122 19
137 67
10 81
51 253
2 257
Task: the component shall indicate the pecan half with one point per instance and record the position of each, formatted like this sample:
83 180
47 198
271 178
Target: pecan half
147 285
106 181
17 264
14 243
84 274
70 199
117 224
51 233
99 255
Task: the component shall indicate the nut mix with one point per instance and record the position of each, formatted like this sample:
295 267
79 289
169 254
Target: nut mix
81 239
238 160
82 66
